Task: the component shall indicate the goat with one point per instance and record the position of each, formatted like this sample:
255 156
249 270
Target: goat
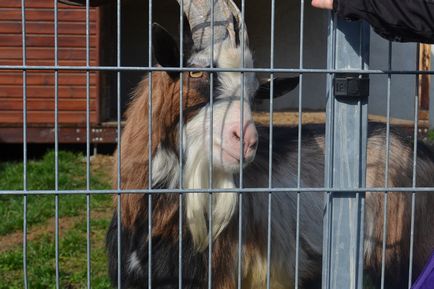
226 137
226 154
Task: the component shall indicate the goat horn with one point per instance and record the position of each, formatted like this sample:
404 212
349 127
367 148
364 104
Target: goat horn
198 13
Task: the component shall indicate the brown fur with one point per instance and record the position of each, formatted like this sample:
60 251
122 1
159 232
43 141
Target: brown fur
134 143
398 208
398 205
224 255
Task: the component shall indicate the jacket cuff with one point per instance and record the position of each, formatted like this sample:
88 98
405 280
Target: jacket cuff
340 8
336 5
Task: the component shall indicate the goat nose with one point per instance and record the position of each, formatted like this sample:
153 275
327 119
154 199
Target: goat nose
250 138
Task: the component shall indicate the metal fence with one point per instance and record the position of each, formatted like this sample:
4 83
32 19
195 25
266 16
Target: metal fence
346 141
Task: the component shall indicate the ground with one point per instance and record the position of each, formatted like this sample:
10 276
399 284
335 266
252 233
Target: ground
41 223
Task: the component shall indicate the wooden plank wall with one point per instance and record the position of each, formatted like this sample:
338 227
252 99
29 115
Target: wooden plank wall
424 81
40 51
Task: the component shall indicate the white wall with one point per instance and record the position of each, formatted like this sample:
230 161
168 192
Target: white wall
286 54
403 87
315 49
287 46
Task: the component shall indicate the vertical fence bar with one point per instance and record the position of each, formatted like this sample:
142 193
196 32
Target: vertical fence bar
270 145
386 169
56 145
328 157
150 144
210 148
300 121
88 242
181 139
118 120
240 194
413 193
346 139
23 39
269 239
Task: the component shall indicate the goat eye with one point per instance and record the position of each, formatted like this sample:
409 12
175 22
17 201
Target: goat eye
196 74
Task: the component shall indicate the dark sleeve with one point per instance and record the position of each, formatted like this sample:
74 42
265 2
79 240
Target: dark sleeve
396 20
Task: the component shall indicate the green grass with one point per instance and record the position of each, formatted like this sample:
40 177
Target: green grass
40 176
41 210
72 260
431 135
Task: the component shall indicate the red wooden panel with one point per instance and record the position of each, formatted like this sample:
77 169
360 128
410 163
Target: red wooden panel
40 51
11 104
14 40
34 27
46 53
46 78
39 117
61 62
70 15
41 92
424 79
36 4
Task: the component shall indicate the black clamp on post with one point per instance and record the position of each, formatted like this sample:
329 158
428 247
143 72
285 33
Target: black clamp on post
351 86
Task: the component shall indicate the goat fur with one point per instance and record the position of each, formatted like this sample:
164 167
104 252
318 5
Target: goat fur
165 207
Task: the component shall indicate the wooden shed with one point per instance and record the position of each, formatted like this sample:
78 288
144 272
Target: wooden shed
40 84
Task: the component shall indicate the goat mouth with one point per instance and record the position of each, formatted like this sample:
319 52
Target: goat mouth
237 158
224 152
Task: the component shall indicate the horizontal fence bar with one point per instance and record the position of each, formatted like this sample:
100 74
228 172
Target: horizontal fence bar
226 190
209 69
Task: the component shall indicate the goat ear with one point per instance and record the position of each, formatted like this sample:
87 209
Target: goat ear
165 47
187 37
281 87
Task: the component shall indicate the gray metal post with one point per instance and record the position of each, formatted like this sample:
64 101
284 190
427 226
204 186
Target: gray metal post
346 138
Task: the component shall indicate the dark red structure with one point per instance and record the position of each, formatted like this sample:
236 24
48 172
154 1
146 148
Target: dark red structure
40 84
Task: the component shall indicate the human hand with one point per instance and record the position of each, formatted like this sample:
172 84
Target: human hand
323 4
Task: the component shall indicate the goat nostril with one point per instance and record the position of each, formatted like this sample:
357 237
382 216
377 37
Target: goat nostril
236 135
253 145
